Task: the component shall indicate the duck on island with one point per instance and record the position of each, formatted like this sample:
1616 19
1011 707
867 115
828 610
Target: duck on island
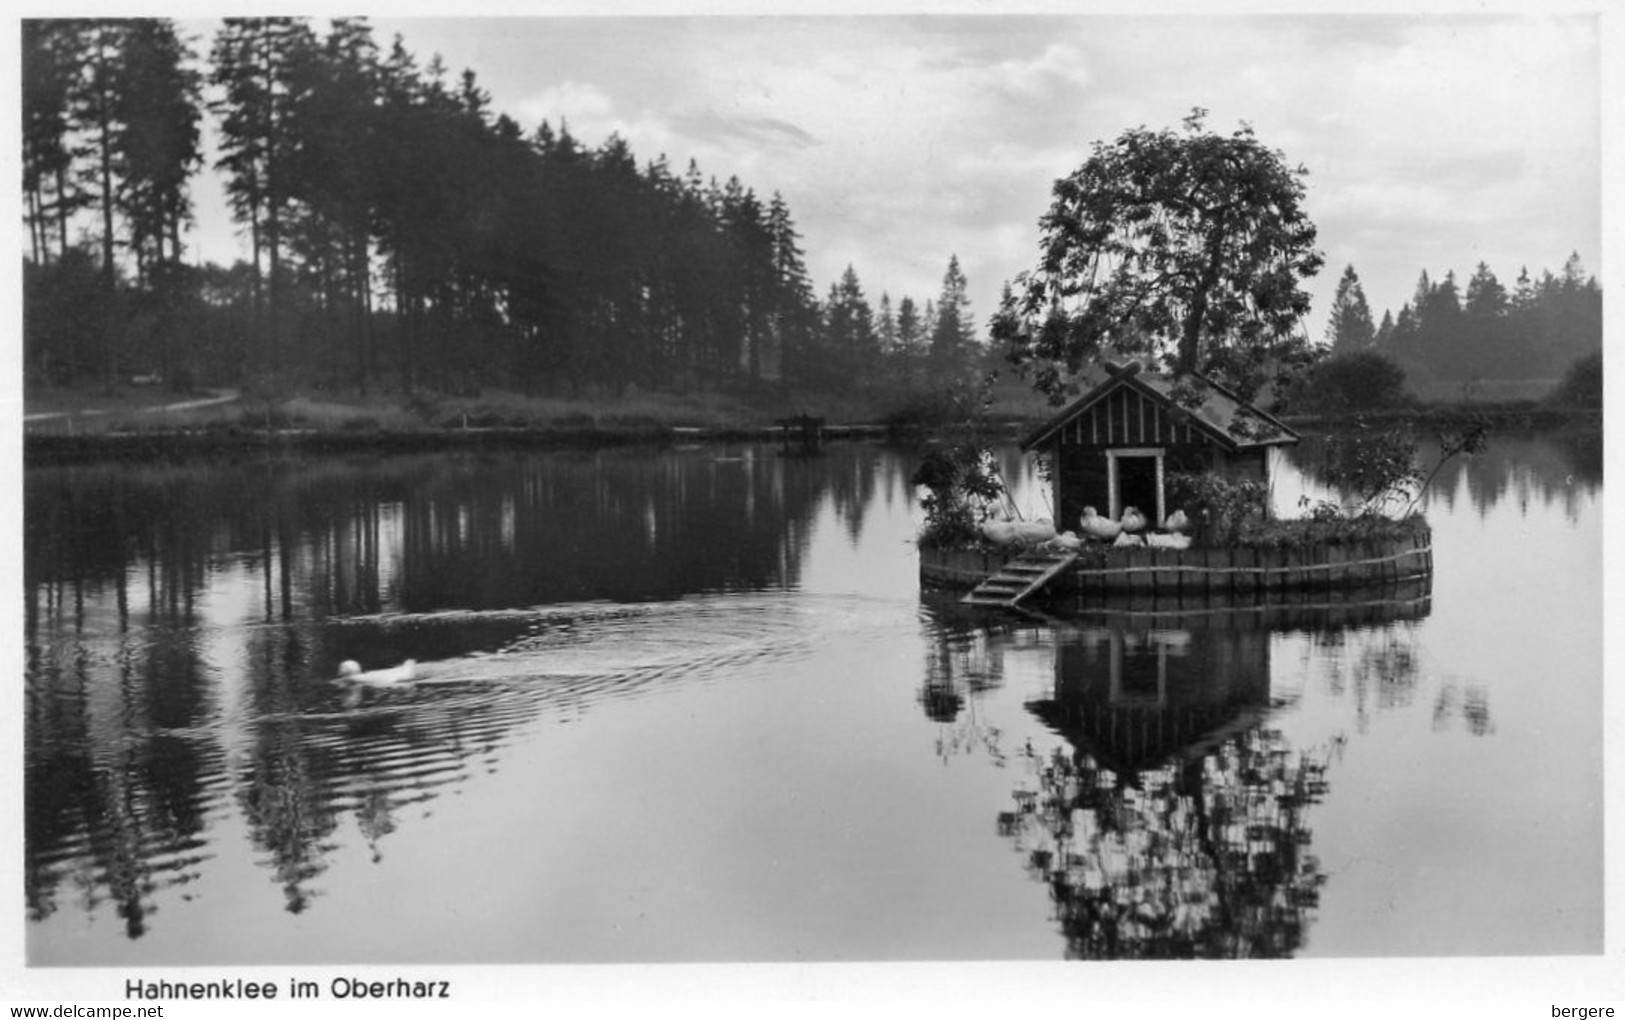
1132 520
1101 529
1066 542
1007 532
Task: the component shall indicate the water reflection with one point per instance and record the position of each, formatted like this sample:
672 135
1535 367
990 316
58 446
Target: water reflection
188 759
1549 469
1175 819
182 621
413 534
125 775
1208 858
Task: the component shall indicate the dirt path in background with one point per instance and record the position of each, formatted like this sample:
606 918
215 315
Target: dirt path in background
218 397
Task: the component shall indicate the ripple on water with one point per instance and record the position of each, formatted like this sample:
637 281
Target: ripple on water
294 773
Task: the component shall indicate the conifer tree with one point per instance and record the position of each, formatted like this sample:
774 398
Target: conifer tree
951 336
1349 327
51 62
910 342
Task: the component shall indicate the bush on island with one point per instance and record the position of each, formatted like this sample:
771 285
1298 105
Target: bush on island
1358 381
1582 384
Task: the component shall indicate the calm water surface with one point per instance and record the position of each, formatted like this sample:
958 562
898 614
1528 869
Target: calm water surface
692 704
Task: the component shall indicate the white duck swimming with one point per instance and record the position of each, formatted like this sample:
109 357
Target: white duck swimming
1101 529
1132 520
350 672
357 681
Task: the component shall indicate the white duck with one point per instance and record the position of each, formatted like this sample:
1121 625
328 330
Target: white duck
1132 520
350 672
1101 529
1066 541
1177 522
999 532
1033 532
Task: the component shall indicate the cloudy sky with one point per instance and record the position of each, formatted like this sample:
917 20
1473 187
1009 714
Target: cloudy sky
1432 141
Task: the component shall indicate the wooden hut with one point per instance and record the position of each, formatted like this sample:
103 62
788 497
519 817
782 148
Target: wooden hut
1114 446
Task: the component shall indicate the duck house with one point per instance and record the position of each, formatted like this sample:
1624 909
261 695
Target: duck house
1114 446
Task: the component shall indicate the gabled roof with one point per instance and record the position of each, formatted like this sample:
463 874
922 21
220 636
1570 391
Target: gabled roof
1214 410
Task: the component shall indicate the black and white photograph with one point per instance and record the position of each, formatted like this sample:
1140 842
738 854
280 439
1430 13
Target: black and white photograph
1062 499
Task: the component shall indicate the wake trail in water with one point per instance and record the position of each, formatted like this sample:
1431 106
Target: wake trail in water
589 652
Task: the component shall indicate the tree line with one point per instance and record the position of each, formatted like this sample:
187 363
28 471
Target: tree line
401 234
1537 329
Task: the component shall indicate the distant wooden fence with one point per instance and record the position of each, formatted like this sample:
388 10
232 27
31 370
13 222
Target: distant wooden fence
1321 566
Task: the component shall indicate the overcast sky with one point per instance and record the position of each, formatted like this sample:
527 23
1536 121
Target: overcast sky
1432 141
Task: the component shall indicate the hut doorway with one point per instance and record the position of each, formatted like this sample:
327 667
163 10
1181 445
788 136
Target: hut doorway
1134 478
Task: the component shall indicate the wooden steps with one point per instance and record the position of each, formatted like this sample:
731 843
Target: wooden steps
1019 578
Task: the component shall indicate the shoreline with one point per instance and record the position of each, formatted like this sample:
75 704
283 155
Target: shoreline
46 448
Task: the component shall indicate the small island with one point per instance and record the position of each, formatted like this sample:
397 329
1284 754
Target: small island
1173 262
1182 470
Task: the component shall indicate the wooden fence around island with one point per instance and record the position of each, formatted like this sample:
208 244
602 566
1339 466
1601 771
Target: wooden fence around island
1319 566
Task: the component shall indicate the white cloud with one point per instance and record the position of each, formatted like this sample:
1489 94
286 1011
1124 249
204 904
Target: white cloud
1432 141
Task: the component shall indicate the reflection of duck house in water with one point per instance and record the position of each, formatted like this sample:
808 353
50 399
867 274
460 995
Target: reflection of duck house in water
1114 446
1139 689
1135 697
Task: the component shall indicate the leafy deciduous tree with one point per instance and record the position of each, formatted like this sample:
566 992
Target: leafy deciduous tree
1192 244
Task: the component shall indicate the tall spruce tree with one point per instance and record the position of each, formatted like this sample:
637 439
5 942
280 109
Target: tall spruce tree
1349 327
911 340
254 63
51 63
952 338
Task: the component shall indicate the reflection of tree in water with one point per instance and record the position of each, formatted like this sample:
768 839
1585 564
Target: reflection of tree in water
1176 826
288 816
963 658
1175 822
1380 668
112 815
1466 701
852 484
376 818
1552 468
124 768
426 532
1202 858
281 788
1376 667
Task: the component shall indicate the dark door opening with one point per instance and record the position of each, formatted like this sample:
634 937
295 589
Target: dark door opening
1137 487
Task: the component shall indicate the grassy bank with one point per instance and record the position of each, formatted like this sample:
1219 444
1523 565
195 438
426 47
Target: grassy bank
1509 416
149 410
152 422
147 423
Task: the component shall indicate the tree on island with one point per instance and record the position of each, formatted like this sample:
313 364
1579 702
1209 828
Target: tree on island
1191 245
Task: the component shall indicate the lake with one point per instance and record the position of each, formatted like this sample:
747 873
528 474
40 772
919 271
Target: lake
691 704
